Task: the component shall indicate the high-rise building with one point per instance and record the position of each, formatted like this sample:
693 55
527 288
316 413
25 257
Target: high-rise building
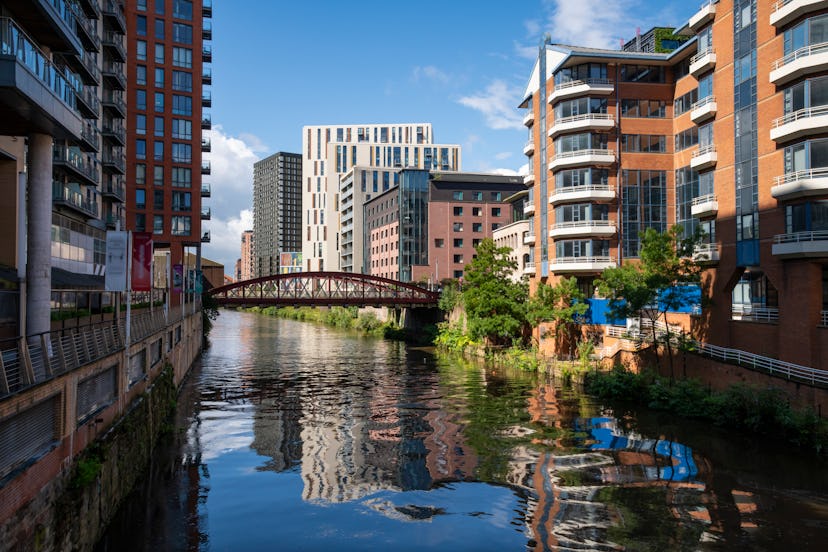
328 152
61 156
721 128
277 210
247 262
168 68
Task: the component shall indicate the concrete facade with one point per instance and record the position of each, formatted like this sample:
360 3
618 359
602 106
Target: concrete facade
277 210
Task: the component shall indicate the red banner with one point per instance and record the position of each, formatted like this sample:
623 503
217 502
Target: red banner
141 261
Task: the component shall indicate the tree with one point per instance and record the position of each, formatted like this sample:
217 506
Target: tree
656 284
495 305
561 304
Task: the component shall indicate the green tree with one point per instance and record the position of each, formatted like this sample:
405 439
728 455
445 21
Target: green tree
654 285
495 305
561 304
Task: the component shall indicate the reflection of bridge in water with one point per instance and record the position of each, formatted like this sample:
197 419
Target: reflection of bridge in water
324 289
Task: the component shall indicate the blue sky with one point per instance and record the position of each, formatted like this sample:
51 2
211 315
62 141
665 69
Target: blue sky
461 65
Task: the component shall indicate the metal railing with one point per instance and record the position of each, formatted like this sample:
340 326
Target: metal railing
772 366
700 55
806 113
707 198
74 198
579 153
703 150
562 190
702 102
530 144
803 52
583 224
584 117
577 260
805 174
754 313
583 82
798 237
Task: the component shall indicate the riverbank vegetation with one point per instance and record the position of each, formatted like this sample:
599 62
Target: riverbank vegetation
761 411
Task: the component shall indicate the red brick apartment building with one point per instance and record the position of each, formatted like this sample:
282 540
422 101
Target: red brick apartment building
720 124
426 229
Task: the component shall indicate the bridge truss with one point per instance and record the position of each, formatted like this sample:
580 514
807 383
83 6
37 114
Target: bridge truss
324 289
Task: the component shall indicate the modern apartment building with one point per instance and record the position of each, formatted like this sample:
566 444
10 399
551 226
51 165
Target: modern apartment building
277 210
516 234
428 227
168 69
330 151
726 132
59 150
246 263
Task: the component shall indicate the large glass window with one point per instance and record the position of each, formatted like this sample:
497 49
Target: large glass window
182 105
811 216
141 25
141 149
580 106
159 102
141 50
182 81
158 151
182 129
141 74
812 154
685 103
181 201
581 177
581 248
809 93
644 205
140 124
181 177
642 73
648 143
644 108
182 57
576 142
183 9
809 32
581 212
182 153
584 71
159 53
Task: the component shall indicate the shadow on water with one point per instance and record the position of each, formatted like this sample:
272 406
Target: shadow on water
293 436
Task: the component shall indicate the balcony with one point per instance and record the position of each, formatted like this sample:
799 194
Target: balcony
705 206
205 213
702 62
34 95
114 42
805 122
578 158
114 161
63 195
592 193
786 11
207 30
113 14
207 8
529 269
703 16
591 87
205 167
801 245
570 265
703 110
529 208
205 190
71 161
603 228
116 133
114 73
51 23
87 31
115 103
529 148
805 183
206 122
91 8
86 65
704 158
805 61
529 179
206 53
754 313
206 99
706 253
90 138
207 76
205 237
529 238
587 121
113 190
529 118
88 103
206 146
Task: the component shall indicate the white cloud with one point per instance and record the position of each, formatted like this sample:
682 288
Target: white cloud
503 155
498 103
524 169
505 172
594 23
430 72
231 201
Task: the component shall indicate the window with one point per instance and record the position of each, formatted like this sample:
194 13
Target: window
181 226
159 102
458 258
141 149
182 153
159 53
141 50
182 33
457 226
458 242
477 227
457 196
141 74
580 106
182 105
458 274
141 25
140 124
581 177
157 224
181 177
647 143
495 226
140 198
687 138
182 129
183 9
158 175
159 6
644 108
642 73
181 201
477 196
141 5
458 211
140 173
182 57
812 154
159 29
159 77
158 200
476 242
477 211
158 127
584 71
158 151
685 103
439 242
141 100
140 222
182 81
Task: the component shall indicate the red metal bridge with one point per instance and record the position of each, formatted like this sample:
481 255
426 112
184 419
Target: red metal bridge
324 289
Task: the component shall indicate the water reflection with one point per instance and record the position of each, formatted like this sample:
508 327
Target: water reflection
312 439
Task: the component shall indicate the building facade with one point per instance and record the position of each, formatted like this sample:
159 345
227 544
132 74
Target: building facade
247 265
277 210
723 133
330 151
515 234
428 227
168 70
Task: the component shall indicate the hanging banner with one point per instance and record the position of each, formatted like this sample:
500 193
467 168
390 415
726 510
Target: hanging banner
177 277
141 261
161 270
115 278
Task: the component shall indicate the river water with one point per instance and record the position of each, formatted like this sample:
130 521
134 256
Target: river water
291 436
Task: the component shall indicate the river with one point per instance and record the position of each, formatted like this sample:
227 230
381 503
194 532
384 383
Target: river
292 436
